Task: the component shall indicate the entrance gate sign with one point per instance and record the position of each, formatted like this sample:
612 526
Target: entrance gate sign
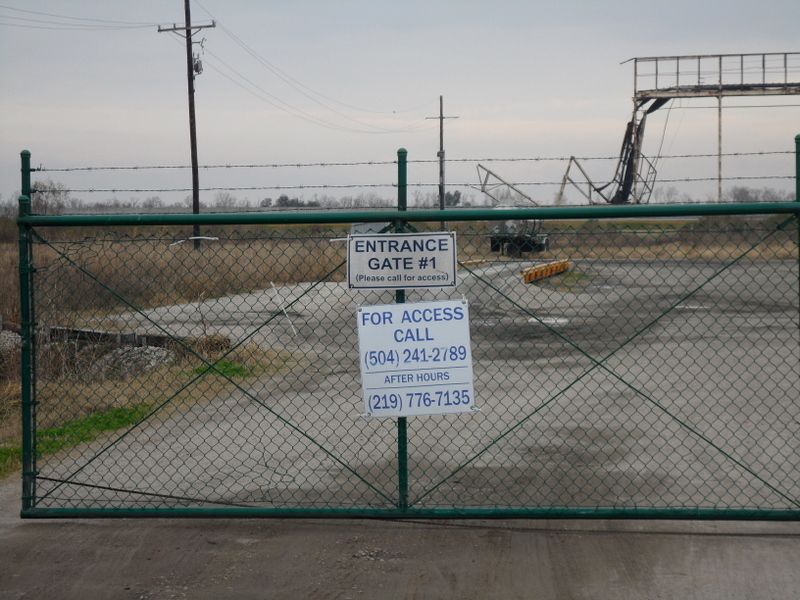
416 359
401 260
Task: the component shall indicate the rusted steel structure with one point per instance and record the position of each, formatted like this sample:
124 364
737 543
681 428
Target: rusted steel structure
715 76
659 79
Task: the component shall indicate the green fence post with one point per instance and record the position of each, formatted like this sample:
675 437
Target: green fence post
400 298
25 174
26 324
797 199
797 168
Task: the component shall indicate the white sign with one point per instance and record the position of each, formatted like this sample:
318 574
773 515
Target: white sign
416 359
401 260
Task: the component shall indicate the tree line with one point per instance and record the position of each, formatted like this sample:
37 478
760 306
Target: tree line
53 198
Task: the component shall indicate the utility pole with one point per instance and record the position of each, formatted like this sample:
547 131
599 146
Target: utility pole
193 66
440 154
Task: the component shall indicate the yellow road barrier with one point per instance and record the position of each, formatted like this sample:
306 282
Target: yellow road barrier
472 263
543 271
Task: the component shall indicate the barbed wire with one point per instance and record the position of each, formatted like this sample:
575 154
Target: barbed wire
385 185
240 166
43 169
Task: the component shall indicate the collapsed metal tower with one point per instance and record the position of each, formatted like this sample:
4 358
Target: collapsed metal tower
656 81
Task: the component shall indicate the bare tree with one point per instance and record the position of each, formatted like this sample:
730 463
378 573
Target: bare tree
153 202
49 197
224 200
189 203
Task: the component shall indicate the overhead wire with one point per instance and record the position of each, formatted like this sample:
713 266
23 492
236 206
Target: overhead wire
297 112
392 162
310 94
54 21
281 104
73 24
277 103
291 81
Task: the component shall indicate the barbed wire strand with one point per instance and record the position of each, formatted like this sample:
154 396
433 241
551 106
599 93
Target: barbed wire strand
43 169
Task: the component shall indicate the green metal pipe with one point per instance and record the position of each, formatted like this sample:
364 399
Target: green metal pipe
25 174
797 201
402 463
400 298
402 179
714 514
544 213
26 362
797 168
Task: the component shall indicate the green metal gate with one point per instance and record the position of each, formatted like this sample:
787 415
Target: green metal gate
658 376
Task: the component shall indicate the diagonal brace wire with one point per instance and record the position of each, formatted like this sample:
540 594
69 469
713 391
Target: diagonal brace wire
600 364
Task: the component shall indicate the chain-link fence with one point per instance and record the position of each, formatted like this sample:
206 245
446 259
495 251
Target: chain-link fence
633 367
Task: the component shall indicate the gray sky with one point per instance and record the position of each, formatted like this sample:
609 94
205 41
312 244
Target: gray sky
323 81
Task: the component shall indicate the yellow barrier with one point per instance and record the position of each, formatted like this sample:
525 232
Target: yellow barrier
543 271
472 263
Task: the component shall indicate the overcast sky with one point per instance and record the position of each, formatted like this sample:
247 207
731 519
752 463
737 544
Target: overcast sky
325 81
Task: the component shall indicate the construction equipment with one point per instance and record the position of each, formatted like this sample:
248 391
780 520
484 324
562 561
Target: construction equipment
511 237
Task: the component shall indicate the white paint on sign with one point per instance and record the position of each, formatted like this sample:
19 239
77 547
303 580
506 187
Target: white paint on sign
401 260
416 359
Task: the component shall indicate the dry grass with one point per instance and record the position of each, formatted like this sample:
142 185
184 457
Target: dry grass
713 239
103 276
68 391
774 251
10 399
10 395
70 394
78 281
9 283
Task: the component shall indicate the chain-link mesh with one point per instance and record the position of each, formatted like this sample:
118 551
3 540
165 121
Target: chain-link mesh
659 372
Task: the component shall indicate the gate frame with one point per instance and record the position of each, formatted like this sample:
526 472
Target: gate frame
27 221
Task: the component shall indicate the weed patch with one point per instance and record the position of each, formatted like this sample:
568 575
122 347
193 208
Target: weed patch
225 368
50 441
55 439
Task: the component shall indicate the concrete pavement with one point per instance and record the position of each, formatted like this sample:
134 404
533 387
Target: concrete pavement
345 558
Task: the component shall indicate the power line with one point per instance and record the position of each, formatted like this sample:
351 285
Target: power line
80 23
67 26
84 24
305 91
291 81
299 113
